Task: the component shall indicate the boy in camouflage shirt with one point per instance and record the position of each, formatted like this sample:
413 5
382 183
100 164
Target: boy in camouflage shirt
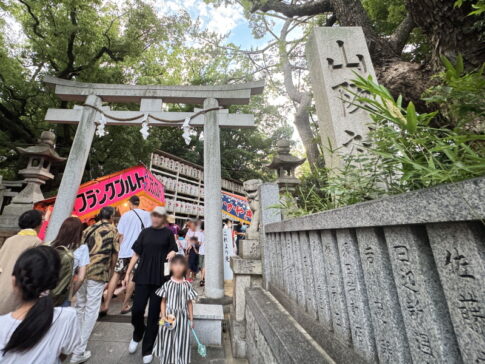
103 244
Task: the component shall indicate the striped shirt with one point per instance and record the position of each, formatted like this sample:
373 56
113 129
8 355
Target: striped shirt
177 294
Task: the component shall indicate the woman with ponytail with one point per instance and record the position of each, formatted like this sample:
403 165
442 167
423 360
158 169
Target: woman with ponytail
36 332
74 260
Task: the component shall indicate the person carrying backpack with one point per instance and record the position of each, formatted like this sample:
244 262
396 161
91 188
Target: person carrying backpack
73 256
130 225
102 241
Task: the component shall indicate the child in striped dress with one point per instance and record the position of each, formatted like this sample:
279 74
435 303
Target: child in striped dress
173 343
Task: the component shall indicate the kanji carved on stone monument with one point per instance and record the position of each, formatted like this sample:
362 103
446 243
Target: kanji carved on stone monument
335 56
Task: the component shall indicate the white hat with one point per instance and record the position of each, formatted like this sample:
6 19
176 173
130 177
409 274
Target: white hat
159 210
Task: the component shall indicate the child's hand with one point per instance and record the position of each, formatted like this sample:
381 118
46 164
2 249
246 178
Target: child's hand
162 320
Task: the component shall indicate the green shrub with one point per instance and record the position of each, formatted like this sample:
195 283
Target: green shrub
460 96
478 6
406 152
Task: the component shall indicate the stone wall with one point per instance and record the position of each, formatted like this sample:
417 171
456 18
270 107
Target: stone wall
396 280
247 274
247 266
258 349
273 336
248 270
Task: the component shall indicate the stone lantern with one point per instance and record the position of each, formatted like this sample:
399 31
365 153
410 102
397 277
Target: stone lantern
41 156
285 165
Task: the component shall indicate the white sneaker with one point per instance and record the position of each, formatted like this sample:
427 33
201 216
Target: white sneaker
76 359
147 359
132 347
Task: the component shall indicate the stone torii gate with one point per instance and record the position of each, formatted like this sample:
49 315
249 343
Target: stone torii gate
150 98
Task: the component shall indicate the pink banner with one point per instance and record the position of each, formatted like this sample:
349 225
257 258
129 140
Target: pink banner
116 187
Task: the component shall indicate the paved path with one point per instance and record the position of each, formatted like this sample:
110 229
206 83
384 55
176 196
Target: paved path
109 345
110 338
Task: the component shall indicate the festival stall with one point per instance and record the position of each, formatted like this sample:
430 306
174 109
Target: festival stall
111 190
115 190
236 207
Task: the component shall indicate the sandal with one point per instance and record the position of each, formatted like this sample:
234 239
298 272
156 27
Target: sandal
124 312
202 283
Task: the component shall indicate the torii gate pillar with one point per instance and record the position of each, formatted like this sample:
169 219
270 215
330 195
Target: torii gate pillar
214 258
73 173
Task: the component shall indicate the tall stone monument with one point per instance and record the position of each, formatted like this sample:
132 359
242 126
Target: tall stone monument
41 156
335 56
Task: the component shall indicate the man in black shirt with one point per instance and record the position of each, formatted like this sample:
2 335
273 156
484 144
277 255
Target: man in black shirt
153 248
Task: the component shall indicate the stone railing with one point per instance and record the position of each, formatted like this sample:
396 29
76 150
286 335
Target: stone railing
396 280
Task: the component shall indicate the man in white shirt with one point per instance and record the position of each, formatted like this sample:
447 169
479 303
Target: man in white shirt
129 227
194 230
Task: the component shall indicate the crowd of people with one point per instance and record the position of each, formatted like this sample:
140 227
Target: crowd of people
52 293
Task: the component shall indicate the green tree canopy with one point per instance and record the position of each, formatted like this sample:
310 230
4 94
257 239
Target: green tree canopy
99 41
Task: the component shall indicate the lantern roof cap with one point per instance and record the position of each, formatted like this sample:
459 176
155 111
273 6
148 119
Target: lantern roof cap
283 158
45 147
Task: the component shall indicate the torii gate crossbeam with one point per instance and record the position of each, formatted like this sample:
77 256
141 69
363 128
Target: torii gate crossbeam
237 94
150 98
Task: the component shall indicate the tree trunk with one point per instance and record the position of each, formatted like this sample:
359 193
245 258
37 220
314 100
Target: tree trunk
407 79
401 78
351 13
302 123
302 102
451 30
